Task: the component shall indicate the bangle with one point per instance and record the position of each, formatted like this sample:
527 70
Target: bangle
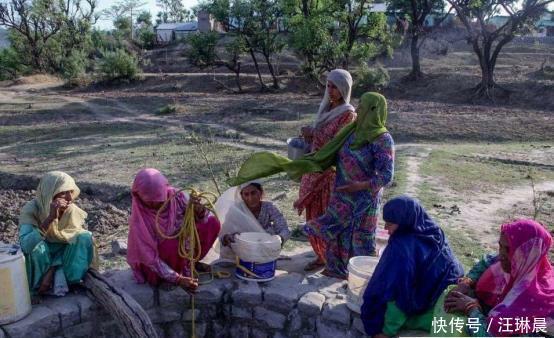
466 281
471 306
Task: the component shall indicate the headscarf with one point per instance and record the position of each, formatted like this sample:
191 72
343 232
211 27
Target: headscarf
235 216
343 81
416 266
529 291
370 124
150 185
37 210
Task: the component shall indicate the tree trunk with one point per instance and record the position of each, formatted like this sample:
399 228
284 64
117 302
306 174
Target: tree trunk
416 73
237 77
272 72
252 54
130 317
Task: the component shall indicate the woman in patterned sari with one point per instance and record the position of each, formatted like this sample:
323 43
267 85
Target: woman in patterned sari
364 166
335 111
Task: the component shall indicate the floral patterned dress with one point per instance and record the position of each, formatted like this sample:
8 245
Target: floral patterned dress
348 225
315 188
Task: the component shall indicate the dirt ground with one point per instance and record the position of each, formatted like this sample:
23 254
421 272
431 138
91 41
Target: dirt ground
468 162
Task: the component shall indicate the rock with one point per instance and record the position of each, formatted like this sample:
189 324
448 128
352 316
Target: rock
295 322
311 303
212 292
160 315
67 309
259 333
242 313
176 330
176 298
279 196
119 247
335 310
187 316
142 293
328 330
41 322
239 331
83 330
87 308
358 324
247 293
272 319
281 293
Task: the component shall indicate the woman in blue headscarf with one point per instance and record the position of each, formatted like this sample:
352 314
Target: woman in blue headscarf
415 268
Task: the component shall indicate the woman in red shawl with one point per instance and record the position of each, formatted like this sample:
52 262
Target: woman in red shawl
514 290
335 111
152 258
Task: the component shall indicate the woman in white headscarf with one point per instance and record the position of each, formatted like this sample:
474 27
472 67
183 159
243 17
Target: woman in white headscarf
242 209
335 111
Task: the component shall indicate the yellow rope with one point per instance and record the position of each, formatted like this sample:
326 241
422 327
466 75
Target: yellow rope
189 231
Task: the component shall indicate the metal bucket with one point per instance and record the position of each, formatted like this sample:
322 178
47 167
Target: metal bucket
297 147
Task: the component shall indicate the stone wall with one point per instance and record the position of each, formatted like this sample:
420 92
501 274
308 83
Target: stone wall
289 306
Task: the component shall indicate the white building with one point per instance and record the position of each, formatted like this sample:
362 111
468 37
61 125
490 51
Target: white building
169 32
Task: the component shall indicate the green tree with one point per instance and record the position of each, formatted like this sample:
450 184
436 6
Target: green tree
43 32
488 40
173 11
417 12
122 14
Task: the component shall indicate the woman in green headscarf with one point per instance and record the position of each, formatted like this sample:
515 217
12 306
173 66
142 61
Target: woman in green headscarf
58 250
363 154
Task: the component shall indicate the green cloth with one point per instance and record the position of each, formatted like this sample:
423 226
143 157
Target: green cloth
369 124
74 258
441 316
396 320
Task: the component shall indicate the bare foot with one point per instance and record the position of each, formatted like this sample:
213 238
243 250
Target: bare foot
332 274
314 265
47 280
35 300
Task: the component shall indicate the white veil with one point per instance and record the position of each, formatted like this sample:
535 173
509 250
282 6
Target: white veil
343 81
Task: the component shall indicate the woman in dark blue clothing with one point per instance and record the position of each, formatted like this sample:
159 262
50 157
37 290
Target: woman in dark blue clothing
415 268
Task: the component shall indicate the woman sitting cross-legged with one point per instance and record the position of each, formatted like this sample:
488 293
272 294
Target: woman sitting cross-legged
416 267
242 209
152 257
58 250
516 285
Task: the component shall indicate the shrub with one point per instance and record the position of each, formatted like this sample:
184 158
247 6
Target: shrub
202 49
74 67
10 64
371 79
118 66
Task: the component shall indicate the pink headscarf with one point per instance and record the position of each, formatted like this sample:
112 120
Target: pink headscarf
151 186
529 290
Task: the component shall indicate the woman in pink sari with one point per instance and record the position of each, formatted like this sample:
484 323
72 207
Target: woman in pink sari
335 111
152 258
515 286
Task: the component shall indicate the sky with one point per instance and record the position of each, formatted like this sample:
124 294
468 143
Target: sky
150 6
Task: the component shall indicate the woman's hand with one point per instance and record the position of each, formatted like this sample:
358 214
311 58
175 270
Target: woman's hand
57 206
187 283
296 205
307 133
199 209
462 288
353 186
228 239
457 302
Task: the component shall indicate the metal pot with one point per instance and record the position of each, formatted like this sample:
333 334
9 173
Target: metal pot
297 147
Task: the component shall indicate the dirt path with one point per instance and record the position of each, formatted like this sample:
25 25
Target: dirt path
480 214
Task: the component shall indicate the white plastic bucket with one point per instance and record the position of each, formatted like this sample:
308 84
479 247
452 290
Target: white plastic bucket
382 239
15 301
257 253
360 270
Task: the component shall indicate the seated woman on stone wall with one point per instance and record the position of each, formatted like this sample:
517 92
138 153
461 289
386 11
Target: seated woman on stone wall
152 257
58 250
415 268
516 283
242 209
